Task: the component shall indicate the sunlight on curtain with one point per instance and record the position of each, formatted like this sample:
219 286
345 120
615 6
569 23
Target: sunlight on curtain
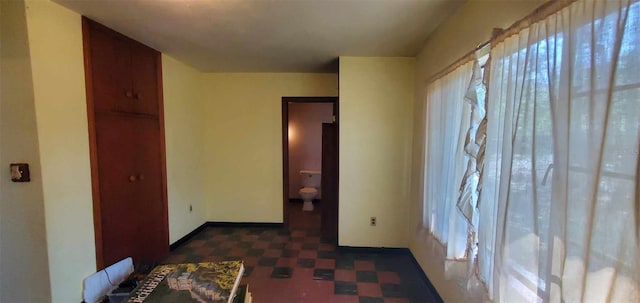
562 158
447 123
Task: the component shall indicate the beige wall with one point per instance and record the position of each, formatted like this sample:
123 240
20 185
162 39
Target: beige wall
243 141
376 99
184 132
305 140
55 40
23 245
470 26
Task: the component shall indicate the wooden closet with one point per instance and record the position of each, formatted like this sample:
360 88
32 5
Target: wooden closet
126 131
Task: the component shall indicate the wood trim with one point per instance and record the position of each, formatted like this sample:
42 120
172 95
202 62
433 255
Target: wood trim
245 224
163 150
542 12
93 147
310 99
285 161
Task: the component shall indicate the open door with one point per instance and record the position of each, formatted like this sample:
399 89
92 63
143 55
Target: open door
330 181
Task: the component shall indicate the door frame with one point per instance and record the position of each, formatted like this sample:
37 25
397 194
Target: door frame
285 144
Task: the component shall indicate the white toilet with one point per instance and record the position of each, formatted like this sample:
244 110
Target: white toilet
310 186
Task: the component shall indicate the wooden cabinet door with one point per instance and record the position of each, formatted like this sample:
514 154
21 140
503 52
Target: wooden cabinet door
116 146
110 69
124 72
144 72
152 216
133 212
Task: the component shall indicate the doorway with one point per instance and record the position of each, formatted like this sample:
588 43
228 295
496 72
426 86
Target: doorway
310 145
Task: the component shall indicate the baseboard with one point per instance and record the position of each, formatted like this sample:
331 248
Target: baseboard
245 224
200 228
374 250
298 200
187 237
425 279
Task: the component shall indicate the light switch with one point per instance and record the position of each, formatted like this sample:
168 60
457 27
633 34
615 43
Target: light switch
20 172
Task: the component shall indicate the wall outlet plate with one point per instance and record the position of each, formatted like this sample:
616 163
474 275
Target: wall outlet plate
20 172
373 221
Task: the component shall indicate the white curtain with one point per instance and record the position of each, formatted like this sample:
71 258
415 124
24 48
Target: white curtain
559 206
447 121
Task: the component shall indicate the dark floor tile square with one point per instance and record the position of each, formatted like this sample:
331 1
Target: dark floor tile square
344 263
245 244
345 288
255 231
234 237
323 274
327 240
283 232
290 253
221 251
184 250
192 259
255 252
212 244
366 276
247 271
266 237
325 254
277 245
307 263
370 300
310 246
230 258
313 233
297 239
364 257
382 264
392 290
227 230
267 261
282 272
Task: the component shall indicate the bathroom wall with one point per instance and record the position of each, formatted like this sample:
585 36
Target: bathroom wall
305 140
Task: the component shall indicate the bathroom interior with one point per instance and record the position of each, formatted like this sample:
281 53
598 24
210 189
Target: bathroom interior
305 154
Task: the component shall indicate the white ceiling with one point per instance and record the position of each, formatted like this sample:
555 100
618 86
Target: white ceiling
271 36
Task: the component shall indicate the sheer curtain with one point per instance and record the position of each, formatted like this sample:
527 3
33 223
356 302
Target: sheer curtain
562 160
447 121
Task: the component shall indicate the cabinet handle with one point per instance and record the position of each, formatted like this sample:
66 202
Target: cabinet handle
132 178
129 94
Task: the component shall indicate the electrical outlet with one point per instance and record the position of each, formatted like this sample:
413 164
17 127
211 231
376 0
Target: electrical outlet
373 221
190 208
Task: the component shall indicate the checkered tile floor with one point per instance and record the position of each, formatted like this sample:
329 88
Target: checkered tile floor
283 266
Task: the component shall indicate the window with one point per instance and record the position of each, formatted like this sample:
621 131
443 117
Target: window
561 170
447 123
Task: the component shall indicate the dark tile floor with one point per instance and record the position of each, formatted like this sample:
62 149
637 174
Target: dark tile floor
297 266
